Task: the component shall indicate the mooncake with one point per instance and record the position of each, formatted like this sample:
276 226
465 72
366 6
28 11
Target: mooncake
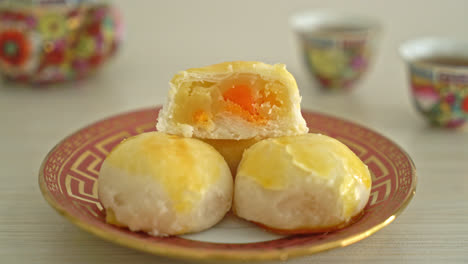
165 185
233 100
301 184
231 150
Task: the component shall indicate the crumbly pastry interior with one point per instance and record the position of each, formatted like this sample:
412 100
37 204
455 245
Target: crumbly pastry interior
306 183
233 100
165 185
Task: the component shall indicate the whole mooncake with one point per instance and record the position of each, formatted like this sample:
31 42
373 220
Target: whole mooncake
233 100
165 185
301 184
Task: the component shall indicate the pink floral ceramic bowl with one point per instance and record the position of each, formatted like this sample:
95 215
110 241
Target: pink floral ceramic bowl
438 73
54 41
337 48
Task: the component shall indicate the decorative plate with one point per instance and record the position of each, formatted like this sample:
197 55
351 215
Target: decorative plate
68 179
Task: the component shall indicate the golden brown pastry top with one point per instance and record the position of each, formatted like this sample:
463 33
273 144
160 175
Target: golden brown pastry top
304 158
172 161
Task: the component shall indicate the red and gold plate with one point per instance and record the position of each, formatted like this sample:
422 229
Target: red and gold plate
68 180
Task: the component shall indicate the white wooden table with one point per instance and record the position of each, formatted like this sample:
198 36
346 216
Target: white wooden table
164 37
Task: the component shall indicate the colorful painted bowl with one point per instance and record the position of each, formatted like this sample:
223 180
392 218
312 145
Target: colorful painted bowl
337 48
438 73
46 43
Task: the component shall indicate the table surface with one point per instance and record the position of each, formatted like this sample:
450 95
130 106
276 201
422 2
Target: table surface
162 39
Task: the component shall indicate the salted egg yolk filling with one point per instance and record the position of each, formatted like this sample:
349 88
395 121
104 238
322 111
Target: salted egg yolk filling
247 96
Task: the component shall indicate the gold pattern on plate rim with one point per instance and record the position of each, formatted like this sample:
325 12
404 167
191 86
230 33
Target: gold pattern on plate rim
164 249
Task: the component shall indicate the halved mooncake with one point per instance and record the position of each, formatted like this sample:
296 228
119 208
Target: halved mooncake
301 184
165 185
233 100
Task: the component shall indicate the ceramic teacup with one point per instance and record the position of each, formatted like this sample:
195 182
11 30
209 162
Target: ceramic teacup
337 48
438 74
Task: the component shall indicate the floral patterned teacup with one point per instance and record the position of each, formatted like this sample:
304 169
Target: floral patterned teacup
438 73
54 41
337 48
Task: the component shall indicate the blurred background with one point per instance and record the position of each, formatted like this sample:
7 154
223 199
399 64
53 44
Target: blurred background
164 37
